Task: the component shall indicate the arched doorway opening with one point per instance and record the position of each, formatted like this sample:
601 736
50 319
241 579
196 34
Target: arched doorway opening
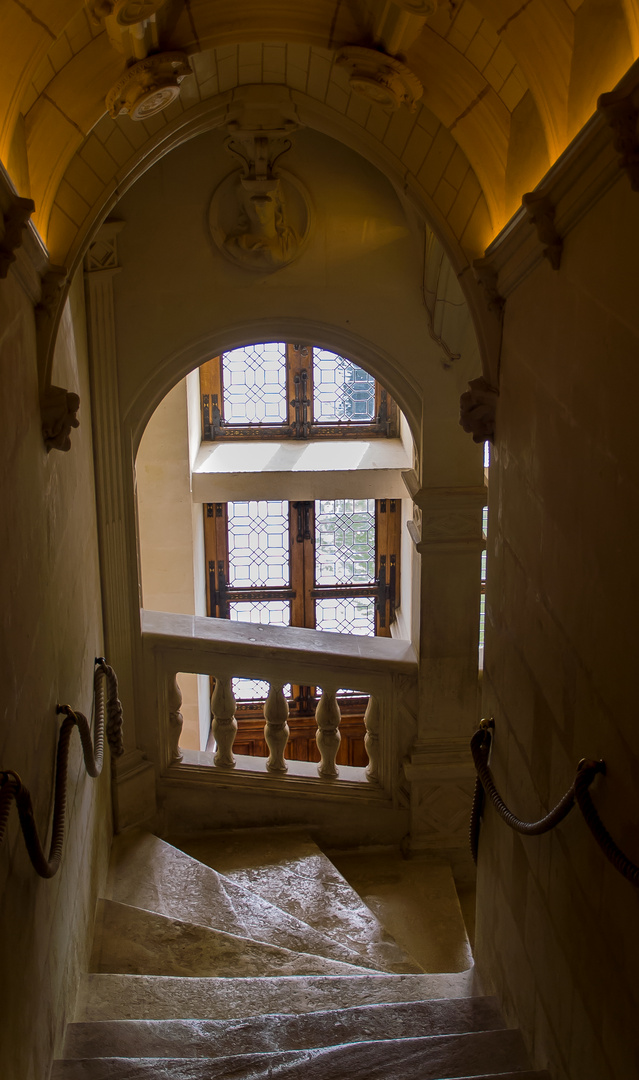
269 491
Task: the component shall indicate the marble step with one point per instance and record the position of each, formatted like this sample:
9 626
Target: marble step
149 997
132 941
280 1031
437 1057
148 873
86 1070
285 867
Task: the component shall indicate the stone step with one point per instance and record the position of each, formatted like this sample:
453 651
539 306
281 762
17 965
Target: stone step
286 867
280 1031
148 873
149 997
132 941
415 900
438 1057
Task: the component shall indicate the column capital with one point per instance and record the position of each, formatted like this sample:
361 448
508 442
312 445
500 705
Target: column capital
447 518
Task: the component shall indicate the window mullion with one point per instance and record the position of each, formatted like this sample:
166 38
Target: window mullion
299 386
387 539
296 563
211 397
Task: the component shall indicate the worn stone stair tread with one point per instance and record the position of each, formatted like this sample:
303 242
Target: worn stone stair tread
416 901
133 941
149 873
175 1069
280 1031
426 1058
163 997
287 868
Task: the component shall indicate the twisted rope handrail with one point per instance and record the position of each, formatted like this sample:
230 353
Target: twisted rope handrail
577 793
12 788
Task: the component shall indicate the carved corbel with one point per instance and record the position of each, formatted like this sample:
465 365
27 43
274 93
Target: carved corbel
381 79
486 275
622 115
541 214
12 224
53 289
148 87
58 410
477 410
126 12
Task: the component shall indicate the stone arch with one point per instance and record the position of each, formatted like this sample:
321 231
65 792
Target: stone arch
463 229
189 356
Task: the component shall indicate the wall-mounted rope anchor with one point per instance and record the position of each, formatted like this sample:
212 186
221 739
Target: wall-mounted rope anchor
578 793
12 788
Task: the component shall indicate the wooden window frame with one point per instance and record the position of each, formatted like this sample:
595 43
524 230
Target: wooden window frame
299 423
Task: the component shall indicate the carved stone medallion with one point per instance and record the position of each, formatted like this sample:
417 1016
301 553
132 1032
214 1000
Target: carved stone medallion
380 78
260 225
148 86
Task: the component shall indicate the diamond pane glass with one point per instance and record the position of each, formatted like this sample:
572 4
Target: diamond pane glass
344 694
344 541
346 615
255 690
341 390
254 381
266 612
258 544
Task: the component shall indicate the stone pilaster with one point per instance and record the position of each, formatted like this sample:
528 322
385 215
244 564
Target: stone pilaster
134 798
447 531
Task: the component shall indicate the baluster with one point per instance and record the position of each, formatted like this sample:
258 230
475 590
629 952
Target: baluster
175 719
328 738
224 725
371 739
276 729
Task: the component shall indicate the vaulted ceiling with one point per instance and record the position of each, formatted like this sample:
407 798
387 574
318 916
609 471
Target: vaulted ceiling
495 91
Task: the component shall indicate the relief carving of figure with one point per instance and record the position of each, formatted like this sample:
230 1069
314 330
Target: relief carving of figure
265 239
259 224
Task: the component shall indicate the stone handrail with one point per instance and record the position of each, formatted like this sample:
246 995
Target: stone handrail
383 668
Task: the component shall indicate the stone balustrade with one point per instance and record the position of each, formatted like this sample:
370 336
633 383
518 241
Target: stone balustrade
385 669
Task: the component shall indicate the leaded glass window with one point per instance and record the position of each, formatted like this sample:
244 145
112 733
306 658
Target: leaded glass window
344 541
254 381
341 390
329 564
285 391
258 544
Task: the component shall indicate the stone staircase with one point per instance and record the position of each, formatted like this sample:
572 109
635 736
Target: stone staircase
257 960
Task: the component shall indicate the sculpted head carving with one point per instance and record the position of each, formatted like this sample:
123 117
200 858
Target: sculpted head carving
59 408
265 239
259 224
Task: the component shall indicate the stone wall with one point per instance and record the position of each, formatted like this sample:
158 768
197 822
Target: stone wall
166 523
51 631
557 924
